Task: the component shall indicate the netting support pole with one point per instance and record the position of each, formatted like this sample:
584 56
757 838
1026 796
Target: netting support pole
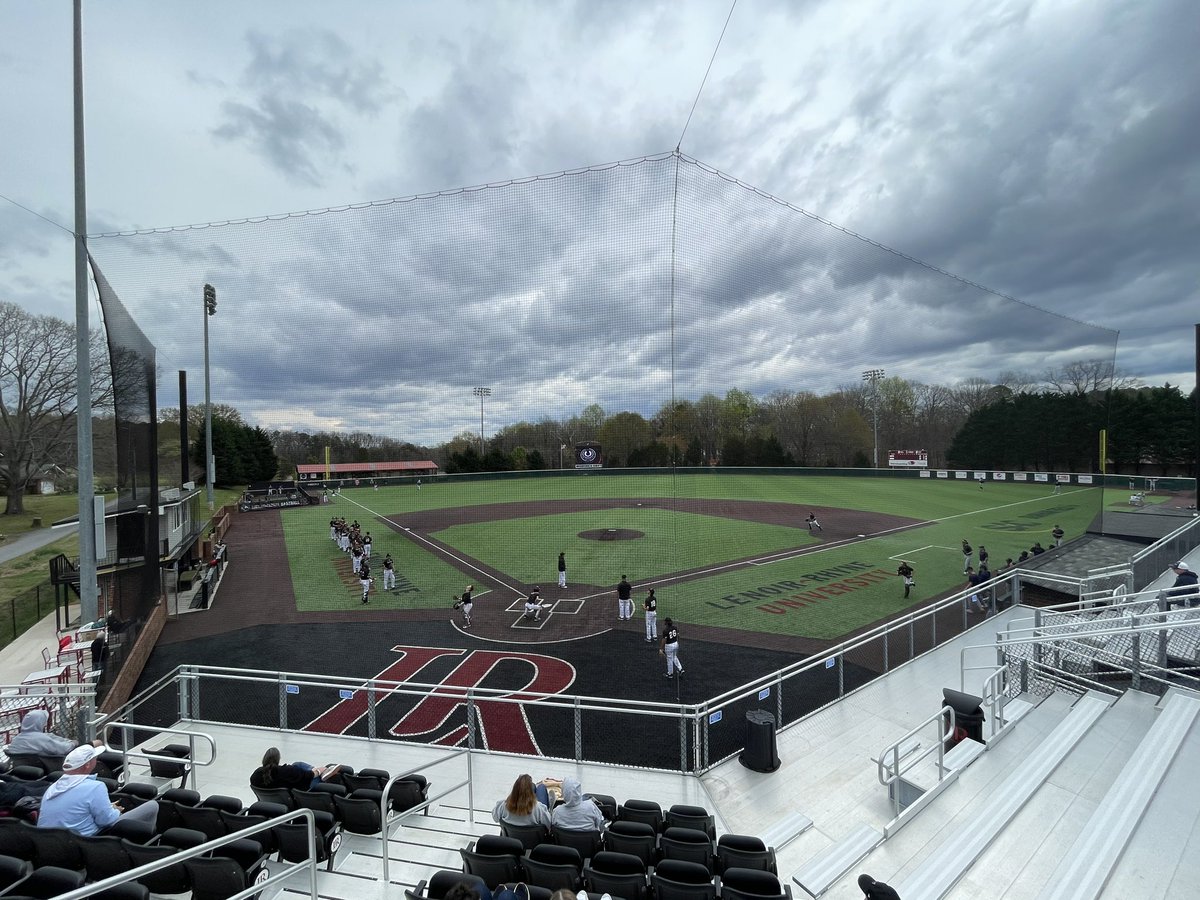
371 701
282 703
683 760
578 717
89 604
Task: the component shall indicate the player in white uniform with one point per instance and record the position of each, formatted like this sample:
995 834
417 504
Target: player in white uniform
562 570
467 604
813 524
650 605
389 573
533 604
669 647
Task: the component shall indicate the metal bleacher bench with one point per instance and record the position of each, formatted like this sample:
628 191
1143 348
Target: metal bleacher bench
816 876
786 830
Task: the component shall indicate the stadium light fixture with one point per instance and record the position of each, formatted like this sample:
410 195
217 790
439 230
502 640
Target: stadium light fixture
481 392
210 309
873 377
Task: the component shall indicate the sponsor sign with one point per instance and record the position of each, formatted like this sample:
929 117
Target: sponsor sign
963 475
1041 476
999 476
925 473
588 456
764 693
1020 476
714 718
942 473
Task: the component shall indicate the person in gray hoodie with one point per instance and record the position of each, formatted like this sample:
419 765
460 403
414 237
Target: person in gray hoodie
576 812
32 739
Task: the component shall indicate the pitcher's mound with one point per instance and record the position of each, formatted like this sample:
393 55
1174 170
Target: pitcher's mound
612 534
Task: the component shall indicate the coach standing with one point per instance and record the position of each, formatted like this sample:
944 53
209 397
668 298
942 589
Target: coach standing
650 605
669 647
562 570
624 599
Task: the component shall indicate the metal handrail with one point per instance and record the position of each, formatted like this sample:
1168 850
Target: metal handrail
388 817
1162 541
97 887
901 763
150 755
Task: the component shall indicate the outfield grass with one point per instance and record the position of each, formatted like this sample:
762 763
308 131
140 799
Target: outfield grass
823 594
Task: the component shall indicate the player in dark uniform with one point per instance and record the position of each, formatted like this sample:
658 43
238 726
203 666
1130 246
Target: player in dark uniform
1058 535
389 573
562 570
466 603
983 557
624 599
650 605
967 552
669 647
905 571
813 524
364 578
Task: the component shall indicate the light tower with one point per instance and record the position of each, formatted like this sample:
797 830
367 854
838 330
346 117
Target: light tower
481 392
873 377
210 309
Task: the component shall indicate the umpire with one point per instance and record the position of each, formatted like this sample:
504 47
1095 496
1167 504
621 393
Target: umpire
669 647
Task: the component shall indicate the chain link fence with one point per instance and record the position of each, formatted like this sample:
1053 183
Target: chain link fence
24 610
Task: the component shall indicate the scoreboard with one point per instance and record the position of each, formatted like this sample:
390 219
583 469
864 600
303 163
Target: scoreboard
908 459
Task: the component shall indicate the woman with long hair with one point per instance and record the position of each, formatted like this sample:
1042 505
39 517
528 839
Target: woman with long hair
521 806
274 773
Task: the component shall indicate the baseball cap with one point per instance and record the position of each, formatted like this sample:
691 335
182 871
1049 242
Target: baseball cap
1181 565
80 757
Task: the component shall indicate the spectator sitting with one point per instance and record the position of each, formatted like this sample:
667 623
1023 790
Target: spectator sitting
1184 592
577 813
32 739
79 803
300 775
521 806
1037 549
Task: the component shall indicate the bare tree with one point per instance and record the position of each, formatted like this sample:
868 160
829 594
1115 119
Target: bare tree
1087 376
39 394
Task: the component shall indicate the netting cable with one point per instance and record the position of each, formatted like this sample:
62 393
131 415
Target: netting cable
703 80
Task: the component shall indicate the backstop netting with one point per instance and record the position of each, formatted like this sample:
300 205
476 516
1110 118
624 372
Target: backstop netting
661 309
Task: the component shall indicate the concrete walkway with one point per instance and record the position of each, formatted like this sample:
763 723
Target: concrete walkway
19 545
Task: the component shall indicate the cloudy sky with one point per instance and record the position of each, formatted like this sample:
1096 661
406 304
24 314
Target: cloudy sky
1043 150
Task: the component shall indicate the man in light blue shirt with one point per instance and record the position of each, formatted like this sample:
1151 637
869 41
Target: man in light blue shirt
80 803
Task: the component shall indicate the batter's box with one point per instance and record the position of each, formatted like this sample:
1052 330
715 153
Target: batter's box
568 607
524 623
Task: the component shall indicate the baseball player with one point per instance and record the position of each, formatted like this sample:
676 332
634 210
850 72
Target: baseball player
967 554
905 571
364 578
562 570
669 647
1058 535
467 603
533 604
813 524
367 546
389 573
650 605
624 599
356 559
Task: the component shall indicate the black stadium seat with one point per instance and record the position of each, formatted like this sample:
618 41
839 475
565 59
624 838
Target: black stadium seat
687 844
529 835
616 874
494 865
635 838
586 842
13 871
697 817
752 884
645 811
676 879
554 867
47 882
744 851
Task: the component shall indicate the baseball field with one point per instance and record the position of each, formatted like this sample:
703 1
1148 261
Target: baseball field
728 551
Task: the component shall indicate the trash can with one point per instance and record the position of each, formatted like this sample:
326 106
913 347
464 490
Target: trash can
760 754
968 715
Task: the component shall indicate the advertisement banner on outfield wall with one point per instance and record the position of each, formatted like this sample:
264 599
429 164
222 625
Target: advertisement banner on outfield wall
942 473
1020 476
999 476
925 473
961 474
1041 476
1083 479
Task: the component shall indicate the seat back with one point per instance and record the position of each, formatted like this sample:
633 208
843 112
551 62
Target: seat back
635 838
499 845
645 811
607 804
586 842
750 884
440 882
744 852
168 880
130 890
553 876
44 764
13 871
104 856
321 800
677 879
627 887
57 847
405 795
51 881
16 839
215 878
160 768
279 795
360 815
363 781
493 868
529 835
687 844
204 819
697 817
